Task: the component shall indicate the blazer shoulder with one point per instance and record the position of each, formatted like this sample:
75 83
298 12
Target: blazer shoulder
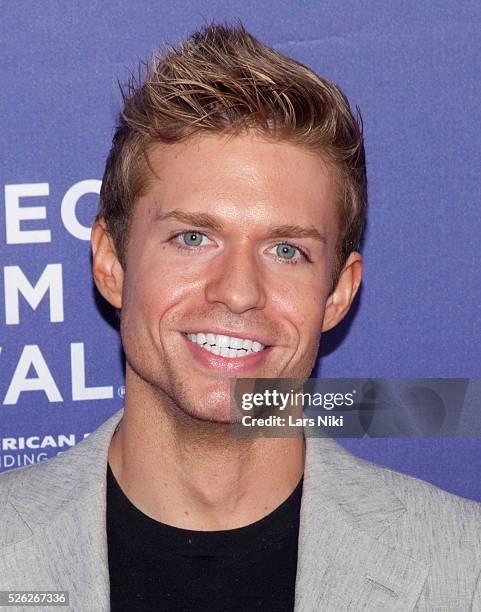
440 527
443 530
411 490
39 492
44 471
30 496
417 494
80 458
363 479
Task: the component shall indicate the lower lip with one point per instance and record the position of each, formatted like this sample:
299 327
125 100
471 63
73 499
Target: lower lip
226 365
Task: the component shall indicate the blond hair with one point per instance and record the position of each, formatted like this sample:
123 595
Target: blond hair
222 80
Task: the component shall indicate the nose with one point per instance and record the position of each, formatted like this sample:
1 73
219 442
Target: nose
235 281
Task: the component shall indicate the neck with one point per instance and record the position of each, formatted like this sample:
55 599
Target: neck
194 474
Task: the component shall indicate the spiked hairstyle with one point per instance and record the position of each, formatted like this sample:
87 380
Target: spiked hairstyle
222 80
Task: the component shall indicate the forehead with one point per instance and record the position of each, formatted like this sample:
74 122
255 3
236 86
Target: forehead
242 178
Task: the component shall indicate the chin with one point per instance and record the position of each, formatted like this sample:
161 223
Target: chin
209 407
212 414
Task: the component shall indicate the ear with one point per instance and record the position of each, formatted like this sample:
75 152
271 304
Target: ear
107 271
340 300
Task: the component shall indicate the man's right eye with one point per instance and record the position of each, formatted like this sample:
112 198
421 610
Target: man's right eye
191 239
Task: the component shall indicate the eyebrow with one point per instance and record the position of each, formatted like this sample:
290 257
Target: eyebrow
190 218
205 220
297 231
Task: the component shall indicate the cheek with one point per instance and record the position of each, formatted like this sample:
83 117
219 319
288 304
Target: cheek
142 305
302 302
155 290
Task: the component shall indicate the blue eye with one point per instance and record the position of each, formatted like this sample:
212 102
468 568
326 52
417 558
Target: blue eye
192 239
286 251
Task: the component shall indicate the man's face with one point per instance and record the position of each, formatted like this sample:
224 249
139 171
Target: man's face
232 244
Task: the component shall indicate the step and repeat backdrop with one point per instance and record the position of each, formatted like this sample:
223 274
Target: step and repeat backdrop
412 67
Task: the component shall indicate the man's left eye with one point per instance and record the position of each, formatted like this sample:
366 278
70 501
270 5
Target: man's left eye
288 252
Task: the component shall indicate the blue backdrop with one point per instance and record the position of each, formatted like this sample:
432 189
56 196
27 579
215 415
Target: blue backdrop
412 67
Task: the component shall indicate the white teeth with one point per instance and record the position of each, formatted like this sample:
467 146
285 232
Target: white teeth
226 346
222 341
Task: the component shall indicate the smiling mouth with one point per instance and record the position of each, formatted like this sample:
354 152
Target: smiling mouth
230 347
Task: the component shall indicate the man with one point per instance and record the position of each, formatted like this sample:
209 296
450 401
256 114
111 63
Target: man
232 205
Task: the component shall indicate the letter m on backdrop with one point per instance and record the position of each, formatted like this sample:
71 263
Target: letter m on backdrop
15 282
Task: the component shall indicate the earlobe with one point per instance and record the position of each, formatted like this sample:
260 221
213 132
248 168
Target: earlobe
107 271
340 300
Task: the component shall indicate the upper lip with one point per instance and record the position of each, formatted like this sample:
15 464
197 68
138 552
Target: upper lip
229 332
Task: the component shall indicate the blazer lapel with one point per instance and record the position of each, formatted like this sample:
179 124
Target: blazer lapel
342 565
59 516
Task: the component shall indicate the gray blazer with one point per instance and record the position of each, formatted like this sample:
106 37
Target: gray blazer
370 539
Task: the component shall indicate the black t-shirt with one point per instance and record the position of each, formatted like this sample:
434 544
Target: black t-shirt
154 566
